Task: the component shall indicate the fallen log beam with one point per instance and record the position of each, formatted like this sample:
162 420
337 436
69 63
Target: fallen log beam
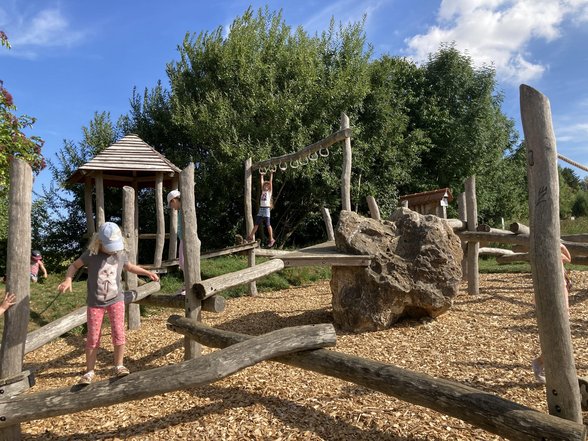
486 251
214 285
503 236
482 409
513 258
457 224
519 228
138 385
211 304
577 238
57 328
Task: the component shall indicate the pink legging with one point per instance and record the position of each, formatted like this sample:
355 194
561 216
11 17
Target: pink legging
116 315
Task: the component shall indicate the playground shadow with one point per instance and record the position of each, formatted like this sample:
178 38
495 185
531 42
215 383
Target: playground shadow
304 418
266 321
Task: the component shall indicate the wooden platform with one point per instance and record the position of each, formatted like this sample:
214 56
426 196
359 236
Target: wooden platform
323 254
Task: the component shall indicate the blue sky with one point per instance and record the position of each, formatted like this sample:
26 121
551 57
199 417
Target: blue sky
71 58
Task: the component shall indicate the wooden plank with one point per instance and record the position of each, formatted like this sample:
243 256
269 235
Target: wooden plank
230 250
188 374
214 285
325 253
482 409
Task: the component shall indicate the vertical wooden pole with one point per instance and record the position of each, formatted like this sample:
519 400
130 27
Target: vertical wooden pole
247 198
191 256
473 247
173 228
328 223
160 221
88 207
563 394
249 220
128 226
100 215
18 260
462 213
373 206
136 215
346 173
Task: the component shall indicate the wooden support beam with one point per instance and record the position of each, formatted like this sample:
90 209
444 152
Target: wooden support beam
214 285
211 304
304 152
563 395
187 374
474 406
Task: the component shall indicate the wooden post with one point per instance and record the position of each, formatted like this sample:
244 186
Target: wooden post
160 221
405 204
18 260
563 394
346 173
472 216
100 215
373 206
328 223
88 207
249 220
462 213
173 229
191 255
128 221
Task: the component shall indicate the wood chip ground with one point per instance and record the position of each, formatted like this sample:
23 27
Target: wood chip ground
486 341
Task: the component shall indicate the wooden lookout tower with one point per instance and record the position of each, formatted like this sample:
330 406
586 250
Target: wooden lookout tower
130 162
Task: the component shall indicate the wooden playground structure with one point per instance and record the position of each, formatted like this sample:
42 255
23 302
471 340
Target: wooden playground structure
301 346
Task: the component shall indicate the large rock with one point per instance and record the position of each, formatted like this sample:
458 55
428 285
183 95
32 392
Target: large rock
415 271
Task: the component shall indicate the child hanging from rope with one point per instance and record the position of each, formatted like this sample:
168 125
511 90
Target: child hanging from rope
265 205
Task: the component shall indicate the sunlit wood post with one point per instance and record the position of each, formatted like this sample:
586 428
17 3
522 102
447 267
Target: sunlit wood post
563 393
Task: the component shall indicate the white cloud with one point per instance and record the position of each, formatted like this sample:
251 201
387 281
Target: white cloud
498 32
29 32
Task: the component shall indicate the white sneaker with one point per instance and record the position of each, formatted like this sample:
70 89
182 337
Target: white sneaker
538 371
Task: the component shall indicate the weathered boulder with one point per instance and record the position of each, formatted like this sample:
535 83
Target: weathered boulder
415 270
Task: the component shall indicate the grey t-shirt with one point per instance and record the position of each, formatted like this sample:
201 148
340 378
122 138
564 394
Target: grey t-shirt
104 277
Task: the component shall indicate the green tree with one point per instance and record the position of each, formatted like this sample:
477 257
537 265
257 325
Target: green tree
263 90
13 144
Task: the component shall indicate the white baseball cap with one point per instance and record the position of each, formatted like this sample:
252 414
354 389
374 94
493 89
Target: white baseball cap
111 237
172 195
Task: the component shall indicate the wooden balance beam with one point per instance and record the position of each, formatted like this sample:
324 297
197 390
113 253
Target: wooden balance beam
482 409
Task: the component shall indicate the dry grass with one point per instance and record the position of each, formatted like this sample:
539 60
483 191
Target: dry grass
486 342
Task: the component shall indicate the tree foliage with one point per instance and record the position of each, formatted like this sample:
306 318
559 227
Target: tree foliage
265 89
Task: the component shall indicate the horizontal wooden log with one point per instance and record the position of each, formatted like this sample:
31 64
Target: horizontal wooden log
211 304
230 250
457 224
16 384
576 238
487 251
57 328
503 236
482 409
304 152
519 228
513 258
214 285
271 252
138 385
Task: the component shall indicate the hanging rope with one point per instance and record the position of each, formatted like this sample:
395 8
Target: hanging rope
574 163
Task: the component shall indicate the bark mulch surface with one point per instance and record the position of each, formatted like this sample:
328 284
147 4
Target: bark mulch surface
486 342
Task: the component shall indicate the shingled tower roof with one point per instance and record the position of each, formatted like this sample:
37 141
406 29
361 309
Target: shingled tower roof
127 160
